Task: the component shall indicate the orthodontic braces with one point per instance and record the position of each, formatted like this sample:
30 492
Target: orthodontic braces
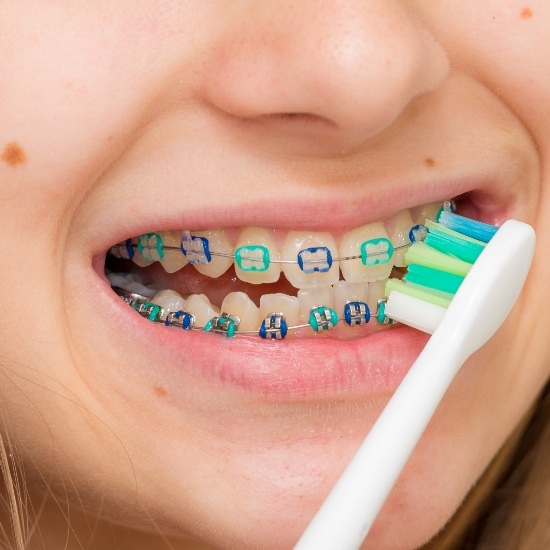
317 259
274 326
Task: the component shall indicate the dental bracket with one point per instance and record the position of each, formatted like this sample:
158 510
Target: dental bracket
124 250
152 311
196 249
315 259
181 319
225 324
323 318
356 313
381 313
151 247
274 327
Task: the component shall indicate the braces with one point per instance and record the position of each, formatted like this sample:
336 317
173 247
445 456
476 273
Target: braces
257 258
274 325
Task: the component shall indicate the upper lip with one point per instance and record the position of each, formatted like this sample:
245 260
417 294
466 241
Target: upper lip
184 184
326 212
318 215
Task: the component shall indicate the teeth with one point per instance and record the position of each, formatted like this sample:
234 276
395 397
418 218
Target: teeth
199 305
427 212
257 243
344 292
281 303
256 255
314 297
173 260
365 241
169 301
306 247
138 288
376 292
138 258
239 304
398 230
217 242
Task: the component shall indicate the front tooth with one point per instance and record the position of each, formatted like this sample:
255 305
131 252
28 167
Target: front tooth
345 292
239 304
398 229
310 298
315 253
289 306
372 243
199 305
254 254
173 260
212 240
168 300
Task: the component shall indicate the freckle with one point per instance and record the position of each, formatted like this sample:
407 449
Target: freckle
160 391
430 162
526 13
13 154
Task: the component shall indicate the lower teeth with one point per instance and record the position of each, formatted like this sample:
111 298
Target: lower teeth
274 326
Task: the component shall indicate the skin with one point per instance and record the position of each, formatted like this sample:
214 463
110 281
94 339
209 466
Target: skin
114 112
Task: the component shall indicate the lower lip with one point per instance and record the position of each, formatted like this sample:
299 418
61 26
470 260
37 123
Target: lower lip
291 369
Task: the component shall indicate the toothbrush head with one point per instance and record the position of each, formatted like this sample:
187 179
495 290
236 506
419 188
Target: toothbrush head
454 273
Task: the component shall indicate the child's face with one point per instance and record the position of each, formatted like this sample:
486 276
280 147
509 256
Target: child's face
128 117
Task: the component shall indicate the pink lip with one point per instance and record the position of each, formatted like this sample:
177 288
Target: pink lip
325 213
293 369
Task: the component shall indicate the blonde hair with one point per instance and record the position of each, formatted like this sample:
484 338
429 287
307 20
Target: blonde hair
13 513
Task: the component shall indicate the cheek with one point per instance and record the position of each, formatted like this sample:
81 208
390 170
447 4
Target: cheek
494 40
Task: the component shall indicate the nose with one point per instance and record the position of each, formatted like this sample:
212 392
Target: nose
354 64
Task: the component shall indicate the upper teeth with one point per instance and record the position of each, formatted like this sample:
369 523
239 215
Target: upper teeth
308 259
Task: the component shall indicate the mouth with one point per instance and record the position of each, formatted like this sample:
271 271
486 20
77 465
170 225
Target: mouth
267 283
282 313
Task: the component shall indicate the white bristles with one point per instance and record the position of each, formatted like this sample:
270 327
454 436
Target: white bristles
414 312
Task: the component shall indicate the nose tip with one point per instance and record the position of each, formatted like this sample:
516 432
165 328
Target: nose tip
355 64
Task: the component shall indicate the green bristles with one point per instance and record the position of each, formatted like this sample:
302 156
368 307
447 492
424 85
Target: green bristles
452 243
434 226
421 253
416 292
433 278
437 266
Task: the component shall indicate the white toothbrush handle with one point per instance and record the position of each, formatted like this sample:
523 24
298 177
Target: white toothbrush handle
347 514
487 294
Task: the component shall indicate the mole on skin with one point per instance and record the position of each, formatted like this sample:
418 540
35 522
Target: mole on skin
160 391
430 162
13 154
526 13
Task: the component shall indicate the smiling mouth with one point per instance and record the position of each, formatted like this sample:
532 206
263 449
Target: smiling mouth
267 283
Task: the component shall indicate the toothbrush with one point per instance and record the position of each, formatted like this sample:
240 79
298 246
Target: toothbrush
485 294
